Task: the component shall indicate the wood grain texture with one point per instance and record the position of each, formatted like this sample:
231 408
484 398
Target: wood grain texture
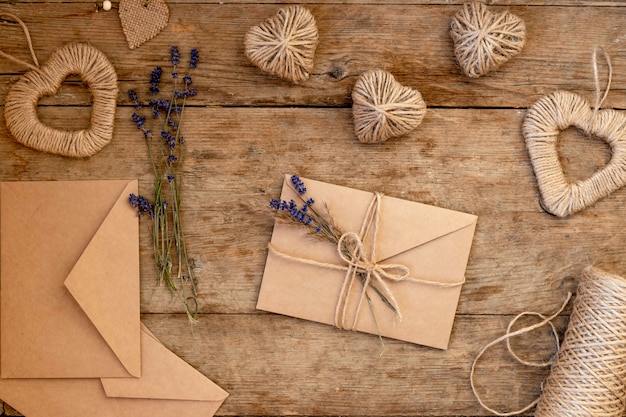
245 130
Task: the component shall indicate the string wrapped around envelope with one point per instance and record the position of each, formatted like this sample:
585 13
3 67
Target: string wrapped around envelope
21 101
588 376
359 265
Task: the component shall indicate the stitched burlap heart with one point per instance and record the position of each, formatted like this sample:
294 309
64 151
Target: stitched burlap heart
21 102
284 44
543 123
383 108
142 20
484 40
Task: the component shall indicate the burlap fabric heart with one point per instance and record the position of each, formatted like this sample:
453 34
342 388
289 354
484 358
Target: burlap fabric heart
543 123
21 101
383 108
142 20
484 40
284 45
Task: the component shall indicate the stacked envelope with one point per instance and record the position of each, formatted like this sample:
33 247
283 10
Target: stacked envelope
71 341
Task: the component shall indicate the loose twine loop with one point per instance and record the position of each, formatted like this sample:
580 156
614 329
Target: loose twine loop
554 113
360 266
588 376
21 101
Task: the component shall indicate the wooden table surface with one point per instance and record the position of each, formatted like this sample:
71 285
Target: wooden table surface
245 130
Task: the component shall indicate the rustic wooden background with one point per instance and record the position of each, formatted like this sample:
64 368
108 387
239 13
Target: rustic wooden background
245 130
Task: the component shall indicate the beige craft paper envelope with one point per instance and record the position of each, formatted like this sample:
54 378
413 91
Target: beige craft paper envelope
69 273
434 243
168 387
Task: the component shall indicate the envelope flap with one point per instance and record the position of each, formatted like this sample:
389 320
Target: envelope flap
101 285
164 376
404 225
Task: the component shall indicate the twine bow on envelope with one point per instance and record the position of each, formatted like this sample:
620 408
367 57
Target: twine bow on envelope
361 266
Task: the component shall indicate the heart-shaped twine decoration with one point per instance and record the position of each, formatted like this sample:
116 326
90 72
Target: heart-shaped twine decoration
21 102
284 45
542 125
142 20
383 108
484 40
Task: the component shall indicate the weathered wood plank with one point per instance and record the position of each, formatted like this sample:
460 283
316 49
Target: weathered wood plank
411 41
519 257
275 365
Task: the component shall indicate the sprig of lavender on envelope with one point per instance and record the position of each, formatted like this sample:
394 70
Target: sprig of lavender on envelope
319 224
166 151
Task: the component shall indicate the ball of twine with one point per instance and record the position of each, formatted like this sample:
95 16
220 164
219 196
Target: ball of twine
484 40
21 102
589 375
383 108
284 45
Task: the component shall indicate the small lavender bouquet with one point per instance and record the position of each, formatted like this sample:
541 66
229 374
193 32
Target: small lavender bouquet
166 151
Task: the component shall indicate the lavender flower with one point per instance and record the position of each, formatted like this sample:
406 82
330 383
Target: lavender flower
175 56
195 57
155 80
139 121
187 79
142 205
300 188
135 99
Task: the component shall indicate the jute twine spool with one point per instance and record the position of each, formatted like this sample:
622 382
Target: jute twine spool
542 125
484 40
588 377
383 108
21 101
284 45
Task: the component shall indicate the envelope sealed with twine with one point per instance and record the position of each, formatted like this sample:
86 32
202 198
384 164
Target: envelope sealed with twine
366 262
71 341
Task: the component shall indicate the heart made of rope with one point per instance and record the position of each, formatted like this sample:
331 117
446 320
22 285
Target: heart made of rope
542 125
383 108
484 40
284 45
21 102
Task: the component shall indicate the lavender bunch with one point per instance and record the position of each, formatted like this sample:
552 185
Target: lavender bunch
166 151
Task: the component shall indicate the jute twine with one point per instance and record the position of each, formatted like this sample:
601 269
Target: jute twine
484 40
284 45
142 20
542 125
383 108
21 101
361 266
588 377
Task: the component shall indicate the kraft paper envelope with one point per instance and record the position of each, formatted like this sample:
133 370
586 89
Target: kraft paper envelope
433 243
69 273
168 387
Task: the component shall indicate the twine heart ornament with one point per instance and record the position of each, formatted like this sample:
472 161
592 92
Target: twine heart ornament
142 20
542 125
284 45
484 40
21 101
383 108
